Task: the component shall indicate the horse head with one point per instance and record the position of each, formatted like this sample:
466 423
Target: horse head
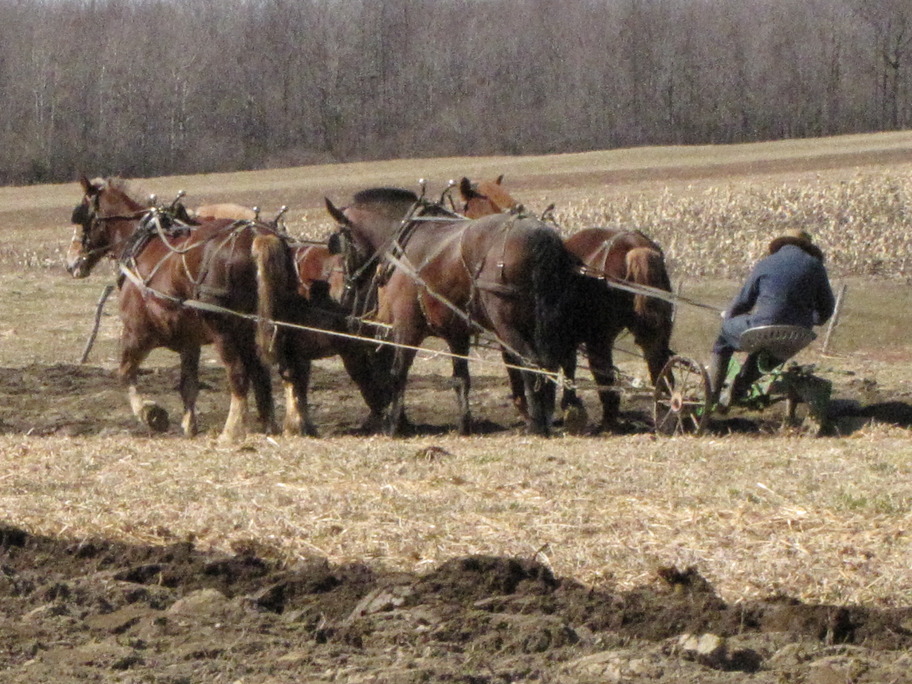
374 217
376 221
105 217
485 197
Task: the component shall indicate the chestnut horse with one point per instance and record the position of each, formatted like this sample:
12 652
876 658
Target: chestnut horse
435 273
486 197
313 260
318 276
176 284
616 257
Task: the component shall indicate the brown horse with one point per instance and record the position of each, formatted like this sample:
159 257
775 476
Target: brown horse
176 283
293 289
617 258
314 264
313 261
486 197
160 269
435 273
318 277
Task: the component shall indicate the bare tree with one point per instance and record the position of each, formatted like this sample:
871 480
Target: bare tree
890 22
144 87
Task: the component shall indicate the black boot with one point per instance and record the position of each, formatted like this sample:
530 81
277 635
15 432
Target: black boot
718 369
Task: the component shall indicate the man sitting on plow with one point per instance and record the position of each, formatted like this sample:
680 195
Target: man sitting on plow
788 287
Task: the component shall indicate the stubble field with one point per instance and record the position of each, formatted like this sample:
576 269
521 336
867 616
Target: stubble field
135 557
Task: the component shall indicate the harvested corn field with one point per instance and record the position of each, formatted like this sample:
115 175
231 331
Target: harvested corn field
748 552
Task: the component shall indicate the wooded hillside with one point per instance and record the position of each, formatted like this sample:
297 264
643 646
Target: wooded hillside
159 87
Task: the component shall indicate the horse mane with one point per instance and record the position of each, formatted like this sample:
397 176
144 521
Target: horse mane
384 195
391 202
130 189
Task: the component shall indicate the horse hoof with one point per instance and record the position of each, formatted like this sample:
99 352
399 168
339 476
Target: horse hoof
155 417
229 438
310 431
575 420
372 425
190 427
538 430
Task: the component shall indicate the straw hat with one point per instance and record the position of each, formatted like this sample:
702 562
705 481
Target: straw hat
799 238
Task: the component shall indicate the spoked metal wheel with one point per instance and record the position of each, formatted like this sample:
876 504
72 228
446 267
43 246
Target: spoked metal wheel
682 398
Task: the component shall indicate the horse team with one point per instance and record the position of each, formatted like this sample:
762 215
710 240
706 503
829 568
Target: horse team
398 269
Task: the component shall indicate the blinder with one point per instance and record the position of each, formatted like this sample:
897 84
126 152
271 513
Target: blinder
335 243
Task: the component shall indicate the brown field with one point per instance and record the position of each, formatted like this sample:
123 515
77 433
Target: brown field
131 557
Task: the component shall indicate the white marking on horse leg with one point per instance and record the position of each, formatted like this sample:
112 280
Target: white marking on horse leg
136 400
293 425
189 388
297 413
235 428
189 423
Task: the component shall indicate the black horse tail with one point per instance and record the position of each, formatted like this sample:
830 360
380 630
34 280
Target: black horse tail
273 277
555 280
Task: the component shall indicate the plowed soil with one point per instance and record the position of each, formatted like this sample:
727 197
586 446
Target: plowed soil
100 611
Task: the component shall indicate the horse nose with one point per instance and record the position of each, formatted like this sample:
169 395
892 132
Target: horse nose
76 267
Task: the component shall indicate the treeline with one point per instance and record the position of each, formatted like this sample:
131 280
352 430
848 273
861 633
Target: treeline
157 87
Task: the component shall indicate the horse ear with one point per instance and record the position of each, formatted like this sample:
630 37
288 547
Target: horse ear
336 213
465 188
499 179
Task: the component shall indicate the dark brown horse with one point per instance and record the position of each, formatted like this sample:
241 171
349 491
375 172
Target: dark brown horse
616 257
436 273
177 284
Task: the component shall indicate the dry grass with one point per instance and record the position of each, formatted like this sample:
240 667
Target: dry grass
822 520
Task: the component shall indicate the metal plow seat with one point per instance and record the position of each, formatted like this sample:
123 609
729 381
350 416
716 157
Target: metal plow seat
779 341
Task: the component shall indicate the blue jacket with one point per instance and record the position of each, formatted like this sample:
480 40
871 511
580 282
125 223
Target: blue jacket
789 287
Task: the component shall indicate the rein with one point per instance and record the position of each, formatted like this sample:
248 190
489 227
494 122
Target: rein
208 307
365 297
409 269
635 288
